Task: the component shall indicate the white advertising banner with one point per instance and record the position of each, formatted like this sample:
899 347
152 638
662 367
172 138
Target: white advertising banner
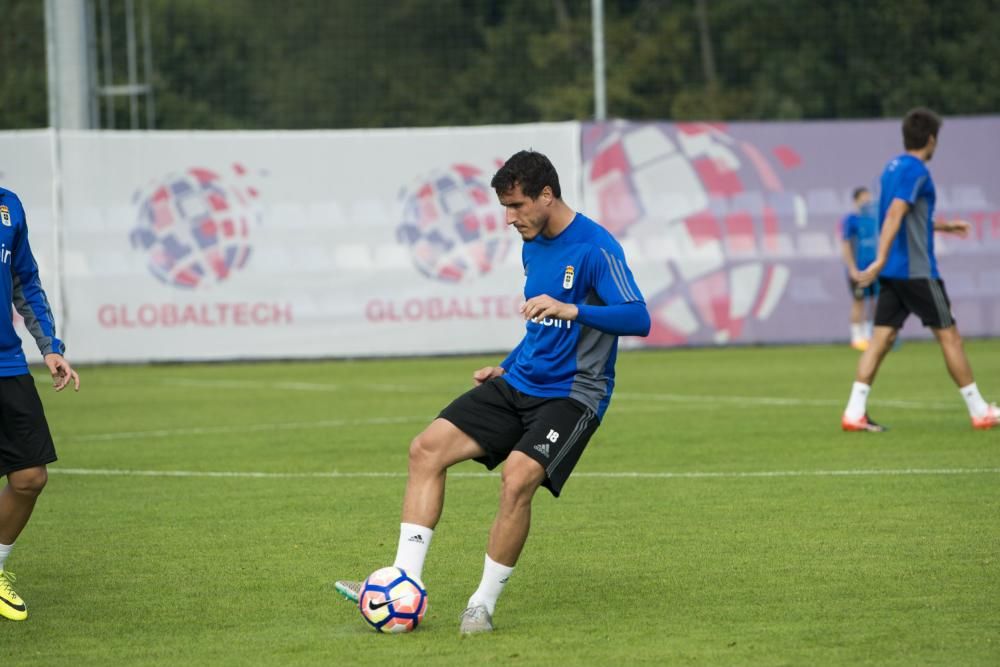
170 246
26 168
228 245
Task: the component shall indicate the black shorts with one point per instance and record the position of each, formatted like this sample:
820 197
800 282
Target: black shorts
25 441
924 297
859 293
501 419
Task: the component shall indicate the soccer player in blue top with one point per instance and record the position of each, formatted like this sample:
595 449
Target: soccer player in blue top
537 409
25 443
908 275
859 230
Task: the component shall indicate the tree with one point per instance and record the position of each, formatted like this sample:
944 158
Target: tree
260 64
23 100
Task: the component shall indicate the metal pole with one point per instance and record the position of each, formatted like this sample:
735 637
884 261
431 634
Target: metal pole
52 64
147 67
66 54
600 97
106 48
133 65
59 89
92 71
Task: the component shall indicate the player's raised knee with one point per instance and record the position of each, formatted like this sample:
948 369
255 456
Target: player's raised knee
425 451
29 482
521 476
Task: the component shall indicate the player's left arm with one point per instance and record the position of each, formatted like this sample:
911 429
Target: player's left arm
537 308
622 311
623 319
32 304
960 228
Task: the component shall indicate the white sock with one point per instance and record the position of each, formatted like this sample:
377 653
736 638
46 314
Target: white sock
495 577
869 329
973 399
5 550
414 541
857 331
858 403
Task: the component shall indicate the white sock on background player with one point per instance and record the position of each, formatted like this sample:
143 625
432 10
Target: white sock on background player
857 332
858 403
974 400
495 577
5 550
869 330
414 541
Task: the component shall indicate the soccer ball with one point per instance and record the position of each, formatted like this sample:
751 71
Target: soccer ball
452 224
392 601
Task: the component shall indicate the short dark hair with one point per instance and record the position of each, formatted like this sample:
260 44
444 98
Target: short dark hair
529 169
858 192
919 125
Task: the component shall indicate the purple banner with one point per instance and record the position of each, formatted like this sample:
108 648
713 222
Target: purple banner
732 229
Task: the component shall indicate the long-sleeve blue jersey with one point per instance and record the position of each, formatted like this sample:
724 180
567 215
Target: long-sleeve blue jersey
19 285
583 265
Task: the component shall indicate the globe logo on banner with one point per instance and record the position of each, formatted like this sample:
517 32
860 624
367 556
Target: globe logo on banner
194 227
709 216
453 225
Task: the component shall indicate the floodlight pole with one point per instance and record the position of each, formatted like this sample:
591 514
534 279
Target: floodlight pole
68 64
597 23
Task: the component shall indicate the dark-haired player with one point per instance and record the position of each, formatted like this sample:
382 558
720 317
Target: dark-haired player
25 443
537 409
908 274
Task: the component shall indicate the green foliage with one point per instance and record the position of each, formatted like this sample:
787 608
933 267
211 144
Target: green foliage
260 64
871 567
23 97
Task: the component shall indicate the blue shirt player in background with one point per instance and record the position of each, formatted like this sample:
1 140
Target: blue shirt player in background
859 231
907 271
537 409
25 442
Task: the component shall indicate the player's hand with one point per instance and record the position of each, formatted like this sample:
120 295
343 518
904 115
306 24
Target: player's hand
868 276
854 274
960 228
484 374
62 372
537 308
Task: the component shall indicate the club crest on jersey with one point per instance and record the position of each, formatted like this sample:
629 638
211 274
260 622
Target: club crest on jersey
5 216
568 278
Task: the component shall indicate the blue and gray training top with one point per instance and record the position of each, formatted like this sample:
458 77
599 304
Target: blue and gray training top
583 265
912 252
19 284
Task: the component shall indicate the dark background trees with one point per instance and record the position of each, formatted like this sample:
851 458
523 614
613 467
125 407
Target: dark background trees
389 63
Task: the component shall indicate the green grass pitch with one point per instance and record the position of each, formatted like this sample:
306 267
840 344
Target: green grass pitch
200 513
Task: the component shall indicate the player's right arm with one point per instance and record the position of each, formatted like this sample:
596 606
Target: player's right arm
30 301
27 294
890 228
62 373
